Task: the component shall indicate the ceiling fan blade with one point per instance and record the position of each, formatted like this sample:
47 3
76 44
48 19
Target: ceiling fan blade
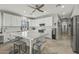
40 10
58 5
31 7
71 12
36 6
33 11
41 6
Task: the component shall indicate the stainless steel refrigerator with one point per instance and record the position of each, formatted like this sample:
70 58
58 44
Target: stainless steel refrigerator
75 33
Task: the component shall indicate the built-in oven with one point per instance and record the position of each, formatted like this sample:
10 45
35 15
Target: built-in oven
1 39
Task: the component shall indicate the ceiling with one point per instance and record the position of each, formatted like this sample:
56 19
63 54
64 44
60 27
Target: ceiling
25 10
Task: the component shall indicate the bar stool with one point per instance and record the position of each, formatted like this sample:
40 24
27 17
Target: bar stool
20 47
37 46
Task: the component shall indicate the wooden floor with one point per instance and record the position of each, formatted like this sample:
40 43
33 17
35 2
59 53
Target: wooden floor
61 46
6 48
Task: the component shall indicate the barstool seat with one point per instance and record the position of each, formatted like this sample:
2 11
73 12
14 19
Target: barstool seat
20 46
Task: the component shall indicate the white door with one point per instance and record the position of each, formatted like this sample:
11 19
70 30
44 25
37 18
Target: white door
64 27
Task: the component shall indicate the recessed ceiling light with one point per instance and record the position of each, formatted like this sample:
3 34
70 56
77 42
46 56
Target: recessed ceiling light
24 11
46 11
62 6
63 13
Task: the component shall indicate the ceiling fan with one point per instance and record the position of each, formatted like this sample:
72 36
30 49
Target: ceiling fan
37 7
58 5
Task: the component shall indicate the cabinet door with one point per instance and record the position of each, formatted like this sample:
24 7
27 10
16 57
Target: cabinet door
0 22
6 20
18 19
14 21
11 20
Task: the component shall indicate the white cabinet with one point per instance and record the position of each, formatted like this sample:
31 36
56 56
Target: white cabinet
18 19
48 25
11 20
6 20
0 22
47 21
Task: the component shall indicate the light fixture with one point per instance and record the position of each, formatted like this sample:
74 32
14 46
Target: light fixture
63 13
46 11
24 11
60 5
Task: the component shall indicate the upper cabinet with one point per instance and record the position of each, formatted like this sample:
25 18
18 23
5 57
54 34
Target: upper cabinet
0 19
11 20
6 20
46 21
0 22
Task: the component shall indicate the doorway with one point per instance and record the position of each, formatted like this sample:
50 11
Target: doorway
64 27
